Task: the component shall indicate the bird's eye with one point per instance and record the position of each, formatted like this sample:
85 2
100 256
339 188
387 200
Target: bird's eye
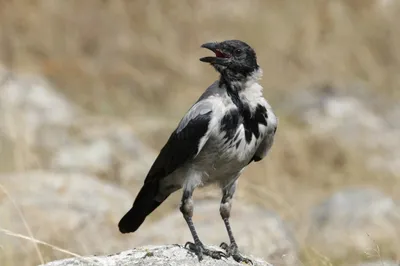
238 52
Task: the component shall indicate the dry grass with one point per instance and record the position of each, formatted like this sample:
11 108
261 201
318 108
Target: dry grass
146 52
30 238
138 60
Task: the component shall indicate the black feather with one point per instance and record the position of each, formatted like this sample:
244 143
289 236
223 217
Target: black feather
182 146
144 204
250 120
230 123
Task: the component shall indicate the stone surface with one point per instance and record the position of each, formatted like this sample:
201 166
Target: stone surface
77 212
354 220
106 149
171 255
257 231
380 263
32 111
355 120
46 129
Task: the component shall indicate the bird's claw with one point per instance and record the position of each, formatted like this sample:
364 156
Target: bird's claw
239 258
225 247
232 250
200 250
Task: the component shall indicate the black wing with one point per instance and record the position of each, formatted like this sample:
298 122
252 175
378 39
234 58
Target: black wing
183 144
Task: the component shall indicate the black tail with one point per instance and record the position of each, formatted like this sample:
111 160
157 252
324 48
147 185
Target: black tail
144 205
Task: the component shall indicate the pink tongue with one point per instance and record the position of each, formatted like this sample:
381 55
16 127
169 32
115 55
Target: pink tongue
219 54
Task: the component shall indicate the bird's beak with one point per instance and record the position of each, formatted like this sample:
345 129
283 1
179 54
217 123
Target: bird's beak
220 57
210 46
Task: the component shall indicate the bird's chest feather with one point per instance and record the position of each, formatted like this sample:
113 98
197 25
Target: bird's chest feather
241 131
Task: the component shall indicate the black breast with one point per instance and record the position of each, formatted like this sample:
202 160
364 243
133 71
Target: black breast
251 120
243 115
230 123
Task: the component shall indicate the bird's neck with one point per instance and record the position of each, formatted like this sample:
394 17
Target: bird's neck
237 82
243 91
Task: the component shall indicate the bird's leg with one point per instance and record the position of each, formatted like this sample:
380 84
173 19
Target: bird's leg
197 247
225 211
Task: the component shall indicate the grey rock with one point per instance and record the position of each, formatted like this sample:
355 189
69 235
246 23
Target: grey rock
105 148
77 212
257 231
342 114
171 255
380 263
35 117
36 106
94 156
354 220
355 120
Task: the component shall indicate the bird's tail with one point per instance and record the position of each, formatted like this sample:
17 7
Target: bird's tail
144 204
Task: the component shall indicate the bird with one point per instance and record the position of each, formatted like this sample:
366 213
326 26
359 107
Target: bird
230 126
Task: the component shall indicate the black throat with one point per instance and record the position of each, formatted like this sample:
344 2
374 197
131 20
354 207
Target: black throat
233 88
243 114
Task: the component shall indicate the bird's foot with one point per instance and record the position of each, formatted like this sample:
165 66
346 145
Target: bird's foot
232 250
200 250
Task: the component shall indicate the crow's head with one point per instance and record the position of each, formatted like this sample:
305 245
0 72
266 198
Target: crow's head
232 57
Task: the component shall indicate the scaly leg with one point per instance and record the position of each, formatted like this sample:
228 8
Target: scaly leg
225 211
197 247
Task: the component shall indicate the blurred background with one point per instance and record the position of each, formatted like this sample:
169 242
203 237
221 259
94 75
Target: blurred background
90 91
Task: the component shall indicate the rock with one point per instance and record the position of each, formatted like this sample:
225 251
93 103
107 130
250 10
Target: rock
77 212
59 135
265 236
380 263
386 5
95 157
328 112
170 255
354 220
105 148
354 120
41 112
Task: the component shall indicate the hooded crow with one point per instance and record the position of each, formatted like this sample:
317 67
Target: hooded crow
230 126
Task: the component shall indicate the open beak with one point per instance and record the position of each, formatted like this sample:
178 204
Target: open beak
220 57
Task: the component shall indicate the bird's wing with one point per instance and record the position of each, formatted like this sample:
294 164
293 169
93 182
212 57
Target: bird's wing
185 142
265 145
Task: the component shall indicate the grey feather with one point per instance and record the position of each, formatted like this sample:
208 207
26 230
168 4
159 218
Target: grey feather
183 145
198 109
264 147
229 126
